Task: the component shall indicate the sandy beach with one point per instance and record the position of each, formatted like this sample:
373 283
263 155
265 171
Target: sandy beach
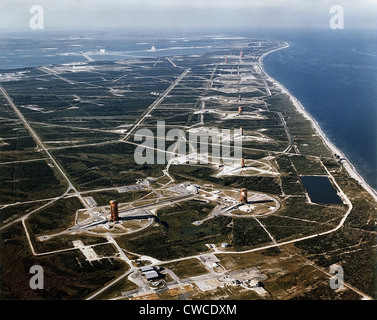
346 163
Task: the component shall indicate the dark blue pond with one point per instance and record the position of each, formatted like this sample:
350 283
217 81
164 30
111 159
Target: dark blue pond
320 190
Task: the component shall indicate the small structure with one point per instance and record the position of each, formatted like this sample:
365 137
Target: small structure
146 269
241 131
226 60
243 195
209 260
151 273
193 188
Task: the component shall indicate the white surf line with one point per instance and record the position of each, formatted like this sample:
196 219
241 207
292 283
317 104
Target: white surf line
343 195
348 166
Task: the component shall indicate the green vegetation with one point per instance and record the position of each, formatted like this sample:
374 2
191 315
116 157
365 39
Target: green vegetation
102 198
10 213
299 218
22 181
66 275
350 248
175 236
306 166
55 217
105 166
186 268
201 172
248 233
114 291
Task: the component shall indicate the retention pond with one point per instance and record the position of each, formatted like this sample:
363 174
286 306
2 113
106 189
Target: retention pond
320 190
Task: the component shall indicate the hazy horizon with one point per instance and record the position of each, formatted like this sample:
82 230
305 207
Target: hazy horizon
184 15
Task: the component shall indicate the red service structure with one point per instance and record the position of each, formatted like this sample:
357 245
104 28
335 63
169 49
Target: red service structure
114 210
243 195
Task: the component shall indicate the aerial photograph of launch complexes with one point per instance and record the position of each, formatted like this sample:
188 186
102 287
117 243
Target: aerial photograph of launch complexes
182 171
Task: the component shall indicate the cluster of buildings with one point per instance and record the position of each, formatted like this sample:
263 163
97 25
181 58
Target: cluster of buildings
12 76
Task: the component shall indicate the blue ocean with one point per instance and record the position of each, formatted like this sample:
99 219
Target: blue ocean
333 73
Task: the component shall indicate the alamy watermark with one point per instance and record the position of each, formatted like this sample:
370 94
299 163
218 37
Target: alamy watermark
202 146
337 280
337 18
37 280
37 20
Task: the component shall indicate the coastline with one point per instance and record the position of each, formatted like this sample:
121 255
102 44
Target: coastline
348 166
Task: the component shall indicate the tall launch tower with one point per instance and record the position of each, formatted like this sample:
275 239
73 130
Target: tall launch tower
114 210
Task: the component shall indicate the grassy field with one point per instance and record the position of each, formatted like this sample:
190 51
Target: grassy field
175 236
104 166
22 181
66 275
186 268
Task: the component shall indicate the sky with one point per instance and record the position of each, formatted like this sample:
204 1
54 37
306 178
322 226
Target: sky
183 15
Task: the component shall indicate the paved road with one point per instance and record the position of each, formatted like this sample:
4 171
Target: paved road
41 145
288 134
155 104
